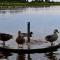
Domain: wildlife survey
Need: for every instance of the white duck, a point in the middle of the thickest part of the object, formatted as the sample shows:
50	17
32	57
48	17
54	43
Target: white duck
53	37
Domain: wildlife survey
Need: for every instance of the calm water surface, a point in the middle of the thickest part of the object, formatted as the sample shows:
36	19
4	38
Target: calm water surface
43	21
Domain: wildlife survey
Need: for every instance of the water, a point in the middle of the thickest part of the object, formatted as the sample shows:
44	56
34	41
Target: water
43	21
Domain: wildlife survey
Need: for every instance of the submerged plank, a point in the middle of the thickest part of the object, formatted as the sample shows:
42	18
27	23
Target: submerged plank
31	51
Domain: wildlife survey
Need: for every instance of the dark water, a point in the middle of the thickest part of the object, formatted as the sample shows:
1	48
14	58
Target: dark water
43	22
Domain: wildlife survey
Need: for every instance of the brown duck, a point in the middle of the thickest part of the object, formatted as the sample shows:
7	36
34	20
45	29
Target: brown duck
53	37
20	39
5	37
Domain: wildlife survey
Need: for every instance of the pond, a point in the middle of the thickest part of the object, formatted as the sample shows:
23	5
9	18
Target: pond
43	21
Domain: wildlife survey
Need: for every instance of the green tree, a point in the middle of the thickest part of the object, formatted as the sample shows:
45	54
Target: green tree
47	0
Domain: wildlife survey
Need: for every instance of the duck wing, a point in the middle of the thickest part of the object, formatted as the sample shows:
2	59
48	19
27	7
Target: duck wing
49	38
5	37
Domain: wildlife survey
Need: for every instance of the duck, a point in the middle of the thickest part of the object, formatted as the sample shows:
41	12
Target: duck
53	37
20	39
5	37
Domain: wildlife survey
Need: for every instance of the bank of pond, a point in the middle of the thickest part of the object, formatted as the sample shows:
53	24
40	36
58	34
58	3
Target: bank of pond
11	5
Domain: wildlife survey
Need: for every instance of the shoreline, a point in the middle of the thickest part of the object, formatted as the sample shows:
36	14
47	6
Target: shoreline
29	4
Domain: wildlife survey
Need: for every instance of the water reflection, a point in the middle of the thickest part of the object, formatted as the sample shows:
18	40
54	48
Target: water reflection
51	56
5	55
17	10
41	10
20	57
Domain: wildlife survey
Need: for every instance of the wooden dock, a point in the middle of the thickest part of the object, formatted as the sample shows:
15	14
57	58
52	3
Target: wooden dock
31	51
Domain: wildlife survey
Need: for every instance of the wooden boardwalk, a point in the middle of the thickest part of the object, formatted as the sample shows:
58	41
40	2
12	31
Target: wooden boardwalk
31	51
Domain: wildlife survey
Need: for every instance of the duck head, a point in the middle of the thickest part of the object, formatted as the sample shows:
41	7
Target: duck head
19	33
56	31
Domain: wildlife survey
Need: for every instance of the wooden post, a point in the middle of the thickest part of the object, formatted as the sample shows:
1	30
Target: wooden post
28	32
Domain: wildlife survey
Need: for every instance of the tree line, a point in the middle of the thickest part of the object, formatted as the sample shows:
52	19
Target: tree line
24	0
13	0
41	0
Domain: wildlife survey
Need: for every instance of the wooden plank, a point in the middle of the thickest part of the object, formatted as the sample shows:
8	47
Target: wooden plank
31	51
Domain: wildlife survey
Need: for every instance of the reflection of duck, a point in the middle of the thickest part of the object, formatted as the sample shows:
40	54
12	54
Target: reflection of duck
51	56
5	37
52	38
5	55
20	39
21	57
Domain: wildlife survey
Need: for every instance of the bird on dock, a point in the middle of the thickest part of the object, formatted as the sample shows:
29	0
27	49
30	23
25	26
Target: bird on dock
5	37
20	39
53	37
